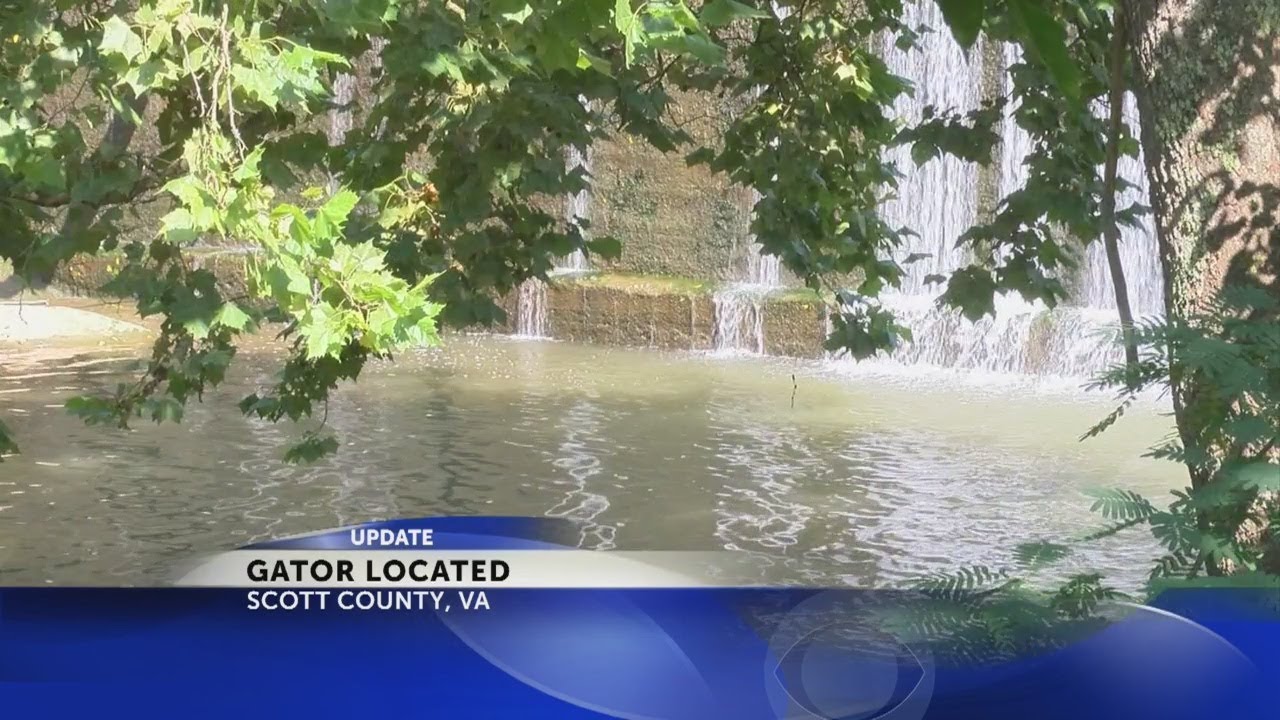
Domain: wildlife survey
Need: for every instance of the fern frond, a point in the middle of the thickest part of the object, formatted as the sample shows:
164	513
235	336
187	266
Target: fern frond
1110	530
1246	298
1177	532
1173	565
1039	553
1111	419
961	585
1079	597
1116	504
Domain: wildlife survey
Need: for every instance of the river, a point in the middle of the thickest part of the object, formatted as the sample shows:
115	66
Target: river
832	479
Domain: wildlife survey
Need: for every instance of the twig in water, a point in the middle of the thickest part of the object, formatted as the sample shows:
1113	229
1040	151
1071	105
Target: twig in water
794	385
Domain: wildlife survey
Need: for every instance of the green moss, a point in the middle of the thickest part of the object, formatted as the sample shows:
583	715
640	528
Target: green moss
1224	153
645	284
799	294
633	195
726	218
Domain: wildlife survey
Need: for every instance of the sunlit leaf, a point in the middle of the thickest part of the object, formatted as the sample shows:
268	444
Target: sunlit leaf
120	39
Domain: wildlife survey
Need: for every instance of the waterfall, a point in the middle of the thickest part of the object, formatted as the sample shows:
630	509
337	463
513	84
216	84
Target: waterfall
739	319
940	201
1139	251
739	307
577	206
762	271
1015	143
531	309
531	297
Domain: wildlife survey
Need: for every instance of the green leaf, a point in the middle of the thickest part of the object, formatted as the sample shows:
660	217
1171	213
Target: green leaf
964	17
158	35
311	448
702	48
198	327
230	315
595	62
163	409
628	24
971	290
1123	505
262	85
298	282
606	247
249	169
178	227
333	214
93	410
150	74
44	172
120	39
923	152
722	12
1047	39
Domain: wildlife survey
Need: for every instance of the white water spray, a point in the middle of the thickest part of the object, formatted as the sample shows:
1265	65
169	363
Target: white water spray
740	306
939	201
531	298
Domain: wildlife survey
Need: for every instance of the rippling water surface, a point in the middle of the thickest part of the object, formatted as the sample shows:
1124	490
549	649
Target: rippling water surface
863	480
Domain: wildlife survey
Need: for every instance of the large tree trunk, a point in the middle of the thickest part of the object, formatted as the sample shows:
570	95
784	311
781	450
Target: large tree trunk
1207	84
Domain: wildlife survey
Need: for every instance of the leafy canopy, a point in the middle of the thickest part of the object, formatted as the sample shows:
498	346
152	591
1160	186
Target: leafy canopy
209	117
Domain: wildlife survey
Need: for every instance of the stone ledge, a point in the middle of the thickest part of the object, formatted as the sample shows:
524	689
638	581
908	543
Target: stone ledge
87	274
669	313
656	311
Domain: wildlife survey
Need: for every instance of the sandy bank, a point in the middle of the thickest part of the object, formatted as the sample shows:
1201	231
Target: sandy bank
37	320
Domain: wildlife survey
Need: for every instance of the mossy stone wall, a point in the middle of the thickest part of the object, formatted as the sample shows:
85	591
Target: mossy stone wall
672	219
667	313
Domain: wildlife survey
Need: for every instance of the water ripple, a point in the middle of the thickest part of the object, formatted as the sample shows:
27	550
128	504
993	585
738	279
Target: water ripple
855	482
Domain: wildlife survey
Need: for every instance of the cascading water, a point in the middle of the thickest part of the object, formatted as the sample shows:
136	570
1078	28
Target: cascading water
939	201
1139	251
577	205
739	325
762	270
531	298
739	307
1015	143
531	309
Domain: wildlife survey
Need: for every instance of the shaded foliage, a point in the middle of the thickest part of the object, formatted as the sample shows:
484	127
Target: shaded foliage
434	202
1230	353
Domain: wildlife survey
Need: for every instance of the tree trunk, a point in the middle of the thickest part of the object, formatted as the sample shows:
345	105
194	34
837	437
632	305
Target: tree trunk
1207	85
1110	230
1208	90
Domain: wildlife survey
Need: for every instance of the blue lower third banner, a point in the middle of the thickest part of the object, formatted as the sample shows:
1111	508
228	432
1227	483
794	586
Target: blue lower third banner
411	631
